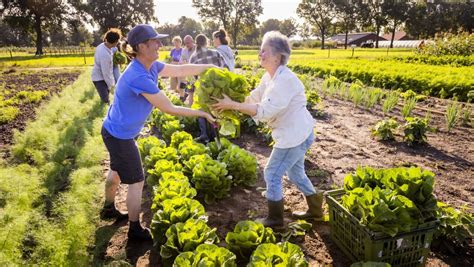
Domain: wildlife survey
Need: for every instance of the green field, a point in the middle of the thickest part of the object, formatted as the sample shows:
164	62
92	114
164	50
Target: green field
27	59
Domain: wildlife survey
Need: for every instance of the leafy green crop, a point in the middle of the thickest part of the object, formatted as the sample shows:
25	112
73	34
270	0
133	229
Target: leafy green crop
383	129
173	211
157	153
210	179
172	185
193	161
160	167
241	165
119	58
170	127
189	148
278	255
213	84
206	255
179	137
382	210
455	225
182	237
247	236
147	143
8	114
390	200
214	150
415	130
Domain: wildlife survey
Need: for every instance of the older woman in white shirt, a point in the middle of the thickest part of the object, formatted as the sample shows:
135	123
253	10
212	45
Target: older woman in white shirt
280	101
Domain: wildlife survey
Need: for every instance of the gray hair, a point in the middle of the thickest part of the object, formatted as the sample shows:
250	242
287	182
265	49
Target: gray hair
279	44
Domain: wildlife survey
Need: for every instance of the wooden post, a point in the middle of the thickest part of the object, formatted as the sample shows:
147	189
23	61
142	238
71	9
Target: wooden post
84	53
11	56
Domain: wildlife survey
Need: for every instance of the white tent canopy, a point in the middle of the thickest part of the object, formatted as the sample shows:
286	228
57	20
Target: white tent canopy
401	44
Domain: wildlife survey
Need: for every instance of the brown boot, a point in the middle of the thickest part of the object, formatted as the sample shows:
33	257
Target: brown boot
315	208
275	214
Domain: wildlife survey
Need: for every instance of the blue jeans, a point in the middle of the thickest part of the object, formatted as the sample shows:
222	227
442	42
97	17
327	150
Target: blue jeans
291	161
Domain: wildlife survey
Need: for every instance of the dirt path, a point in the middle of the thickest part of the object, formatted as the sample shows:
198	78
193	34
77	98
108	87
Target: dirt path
343	142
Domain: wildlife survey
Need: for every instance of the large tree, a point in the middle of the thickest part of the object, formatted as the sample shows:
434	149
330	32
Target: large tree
233	15
318	13
425	19
371	13
122	14
270	25
34	15
188	26
14	36
288	27
346	15
396	13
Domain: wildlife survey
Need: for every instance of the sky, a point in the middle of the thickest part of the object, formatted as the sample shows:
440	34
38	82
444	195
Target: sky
169	11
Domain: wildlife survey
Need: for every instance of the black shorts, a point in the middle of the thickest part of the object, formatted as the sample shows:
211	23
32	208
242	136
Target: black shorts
124	158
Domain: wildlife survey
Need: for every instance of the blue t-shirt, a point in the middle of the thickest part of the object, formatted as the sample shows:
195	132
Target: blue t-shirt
175	54
129	110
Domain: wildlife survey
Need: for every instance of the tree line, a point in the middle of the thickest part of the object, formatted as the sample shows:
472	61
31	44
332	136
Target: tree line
63	22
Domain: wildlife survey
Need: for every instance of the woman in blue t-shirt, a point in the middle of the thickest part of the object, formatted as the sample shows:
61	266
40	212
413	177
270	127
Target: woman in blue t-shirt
136	95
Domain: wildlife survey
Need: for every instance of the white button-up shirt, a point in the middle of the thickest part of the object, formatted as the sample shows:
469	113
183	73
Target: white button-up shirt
281	104
103	65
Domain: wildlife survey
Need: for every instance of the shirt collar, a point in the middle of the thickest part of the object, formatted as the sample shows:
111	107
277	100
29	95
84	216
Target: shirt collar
279	71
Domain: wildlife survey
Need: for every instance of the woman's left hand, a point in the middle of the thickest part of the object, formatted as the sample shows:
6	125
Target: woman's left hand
224	103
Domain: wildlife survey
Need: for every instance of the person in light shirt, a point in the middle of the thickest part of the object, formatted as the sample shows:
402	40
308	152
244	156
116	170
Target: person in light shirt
102	73
280	101
221	43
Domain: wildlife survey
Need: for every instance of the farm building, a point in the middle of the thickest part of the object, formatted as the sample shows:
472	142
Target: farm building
399	36
356	38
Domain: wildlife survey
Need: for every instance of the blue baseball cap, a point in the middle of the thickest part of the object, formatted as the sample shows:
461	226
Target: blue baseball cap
142	33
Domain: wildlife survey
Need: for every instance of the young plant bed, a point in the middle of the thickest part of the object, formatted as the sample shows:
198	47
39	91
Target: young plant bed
24	91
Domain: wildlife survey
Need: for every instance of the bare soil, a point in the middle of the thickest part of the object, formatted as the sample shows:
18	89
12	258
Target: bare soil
13	81
343	142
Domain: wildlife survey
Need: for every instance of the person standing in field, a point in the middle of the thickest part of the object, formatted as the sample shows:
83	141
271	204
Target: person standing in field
187	83
136	95
280	101
221	43
102	73
175	55
203	55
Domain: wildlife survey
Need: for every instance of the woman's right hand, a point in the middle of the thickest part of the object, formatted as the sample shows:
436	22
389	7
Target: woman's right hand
208	117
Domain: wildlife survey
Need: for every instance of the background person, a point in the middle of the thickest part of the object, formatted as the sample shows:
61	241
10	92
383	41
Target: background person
203	55
221	43
136	94
175	55
102	72
280	101
187	83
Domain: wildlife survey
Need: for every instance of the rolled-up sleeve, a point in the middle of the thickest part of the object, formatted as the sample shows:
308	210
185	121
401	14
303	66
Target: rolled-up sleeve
276	100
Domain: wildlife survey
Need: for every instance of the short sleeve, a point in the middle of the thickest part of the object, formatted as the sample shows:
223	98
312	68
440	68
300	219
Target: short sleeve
144	84
158	66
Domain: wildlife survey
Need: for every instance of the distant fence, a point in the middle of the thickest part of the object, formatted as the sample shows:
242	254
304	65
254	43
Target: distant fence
47	51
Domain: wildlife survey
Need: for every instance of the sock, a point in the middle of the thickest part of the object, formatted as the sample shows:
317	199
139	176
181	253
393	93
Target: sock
135	225
109	205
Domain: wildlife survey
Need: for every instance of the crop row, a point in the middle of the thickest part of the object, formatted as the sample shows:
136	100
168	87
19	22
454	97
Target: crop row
51	191
439	81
